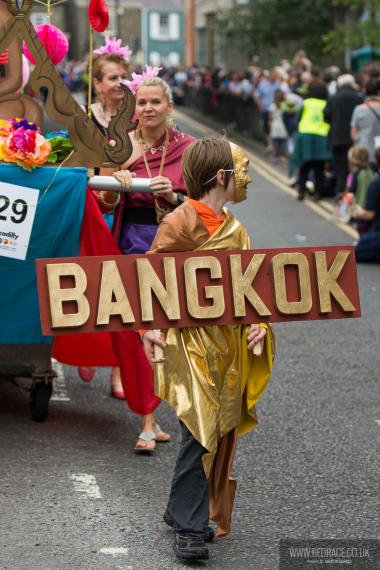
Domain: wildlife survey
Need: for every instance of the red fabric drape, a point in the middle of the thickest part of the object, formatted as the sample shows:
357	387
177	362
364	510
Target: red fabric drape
122	349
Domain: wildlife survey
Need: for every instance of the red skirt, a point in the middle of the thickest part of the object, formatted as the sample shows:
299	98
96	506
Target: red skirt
121	349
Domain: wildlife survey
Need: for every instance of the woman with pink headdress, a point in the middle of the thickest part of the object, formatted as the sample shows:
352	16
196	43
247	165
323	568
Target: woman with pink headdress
157	153
110	68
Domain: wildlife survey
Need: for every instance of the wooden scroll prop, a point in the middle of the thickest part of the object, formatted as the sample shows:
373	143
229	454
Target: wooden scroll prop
112	293
91	148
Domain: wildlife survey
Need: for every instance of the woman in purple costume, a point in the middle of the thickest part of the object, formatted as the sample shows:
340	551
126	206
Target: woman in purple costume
157	153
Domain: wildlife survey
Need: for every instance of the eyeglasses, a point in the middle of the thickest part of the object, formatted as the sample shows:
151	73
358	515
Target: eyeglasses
232	170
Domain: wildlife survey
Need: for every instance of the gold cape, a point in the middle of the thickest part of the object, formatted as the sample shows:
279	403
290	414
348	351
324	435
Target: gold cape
210	378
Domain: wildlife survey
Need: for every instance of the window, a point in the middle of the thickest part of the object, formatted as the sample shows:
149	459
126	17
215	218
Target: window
154	58
164	25
173	58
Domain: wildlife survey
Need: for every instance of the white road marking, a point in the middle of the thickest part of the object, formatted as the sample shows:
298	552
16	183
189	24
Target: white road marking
86	485
378	422
115	551
323	208
60	393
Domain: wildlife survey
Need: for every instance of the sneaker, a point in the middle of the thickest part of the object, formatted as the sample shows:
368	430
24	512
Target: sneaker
209	536
190	547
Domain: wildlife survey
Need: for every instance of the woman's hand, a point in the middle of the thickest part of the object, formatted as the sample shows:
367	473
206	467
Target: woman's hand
125	177
162	187
255	336
149	339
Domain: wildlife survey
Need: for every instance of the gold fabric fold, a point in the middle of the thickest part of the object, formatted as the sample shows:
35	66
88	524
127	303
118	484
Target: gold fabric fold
222	487
209	377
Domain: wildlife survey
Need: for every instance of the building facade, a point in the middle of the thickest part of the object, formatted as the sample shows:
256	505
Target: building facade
209	44
163	34
211	48
153	29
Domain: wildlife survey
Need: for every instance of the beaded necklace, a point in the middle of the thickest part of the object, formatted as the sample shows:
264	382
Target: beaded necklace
160	212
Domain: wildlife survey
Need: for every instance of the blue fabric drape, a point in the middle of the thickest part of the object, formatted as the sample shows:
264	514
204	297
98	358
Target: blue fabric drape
55	233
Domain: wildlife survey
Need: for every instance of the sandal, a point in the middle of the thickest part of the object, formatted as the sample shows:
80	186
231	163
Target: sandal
149	437
161	436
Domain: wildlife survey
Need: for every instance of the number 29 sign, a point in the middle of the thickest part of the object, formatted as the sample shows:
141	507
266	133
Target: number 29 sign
17	210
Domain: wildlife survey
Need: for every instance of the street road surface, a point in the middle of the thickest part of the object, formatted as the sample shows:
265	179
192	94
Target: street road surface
74	496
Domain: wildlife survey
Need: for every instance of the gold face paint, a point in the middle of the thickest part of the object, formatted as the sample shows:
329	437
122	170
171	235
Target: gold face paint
242	178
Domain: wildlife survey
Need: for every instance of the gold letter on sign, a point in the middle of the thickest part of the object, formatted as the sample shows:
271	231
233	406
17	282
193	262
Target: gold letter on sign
242	285
327	281
75	294
304	305
214	292
149	283
111	287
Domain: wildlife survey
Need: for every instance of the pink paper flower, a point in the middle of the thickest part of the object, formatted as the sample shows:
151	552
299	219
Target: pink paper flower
133	84
54	41
114	45
23	140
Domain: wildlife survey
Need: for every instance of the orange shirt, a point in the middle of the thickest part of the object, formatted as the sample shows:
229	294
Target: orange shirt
208	216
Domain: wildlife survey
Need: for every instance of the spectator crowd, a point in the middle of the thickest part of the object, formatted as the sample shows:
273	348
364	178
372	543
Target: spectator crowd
323	124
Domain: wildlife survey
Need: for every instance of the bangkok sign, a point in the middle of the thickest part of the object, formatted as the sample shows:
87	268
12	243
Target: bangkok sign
192	289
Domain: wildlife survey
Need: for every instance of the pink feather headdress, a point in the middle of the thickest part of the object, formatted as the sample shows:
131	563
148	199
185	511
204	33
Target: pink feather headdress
114	45
133	84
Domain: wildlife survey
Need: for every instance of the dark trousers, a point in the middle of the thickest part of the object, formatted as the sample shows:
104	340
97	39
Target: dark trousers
340	167
368	248
317	166
188	504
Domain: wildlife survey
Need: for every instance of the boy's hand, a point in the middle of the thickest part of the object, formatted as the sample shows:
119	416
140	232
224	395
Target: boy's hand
151	339
255	338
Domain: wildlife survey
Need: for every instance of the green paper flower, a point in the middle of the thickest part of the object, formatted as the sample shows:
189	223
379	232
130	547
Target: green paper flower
61	148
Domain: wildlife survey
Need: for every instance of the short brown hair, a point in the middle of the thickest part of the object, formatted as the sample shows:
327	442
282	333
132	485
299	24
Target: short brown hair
358	156
201	161
101	59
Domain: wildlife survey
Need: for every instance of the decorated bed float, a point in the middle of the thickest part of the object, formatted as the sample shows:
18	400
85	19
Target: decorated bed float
44	200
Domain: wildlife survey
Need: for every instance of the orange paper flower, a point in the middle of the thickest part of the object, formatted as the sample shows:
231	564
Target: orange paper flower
28	154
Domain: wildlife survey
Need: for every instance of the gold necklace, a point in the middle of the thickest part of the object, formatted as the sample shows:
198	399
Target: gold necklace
160	212
152	149
163	148
103	115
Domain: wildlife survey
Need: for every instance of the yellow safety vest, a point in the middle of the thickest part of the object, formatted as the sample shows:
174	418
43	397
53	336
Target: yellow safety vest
312	121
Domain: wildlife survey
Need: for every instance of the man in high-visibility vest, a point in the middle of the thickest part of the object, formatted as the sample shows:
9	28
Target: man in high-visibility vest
311	149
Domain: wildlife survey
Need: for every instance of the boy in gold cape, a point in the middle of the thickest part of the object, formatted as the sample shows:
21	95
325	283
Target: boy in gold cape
210	375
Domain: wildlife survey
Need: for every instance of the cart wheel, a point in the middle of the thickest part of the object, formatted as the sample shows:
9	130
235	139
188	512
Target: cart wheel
39	400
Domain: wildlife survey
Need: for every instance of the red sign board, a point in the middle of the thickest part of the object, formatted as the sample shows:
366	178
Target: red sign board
94	294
